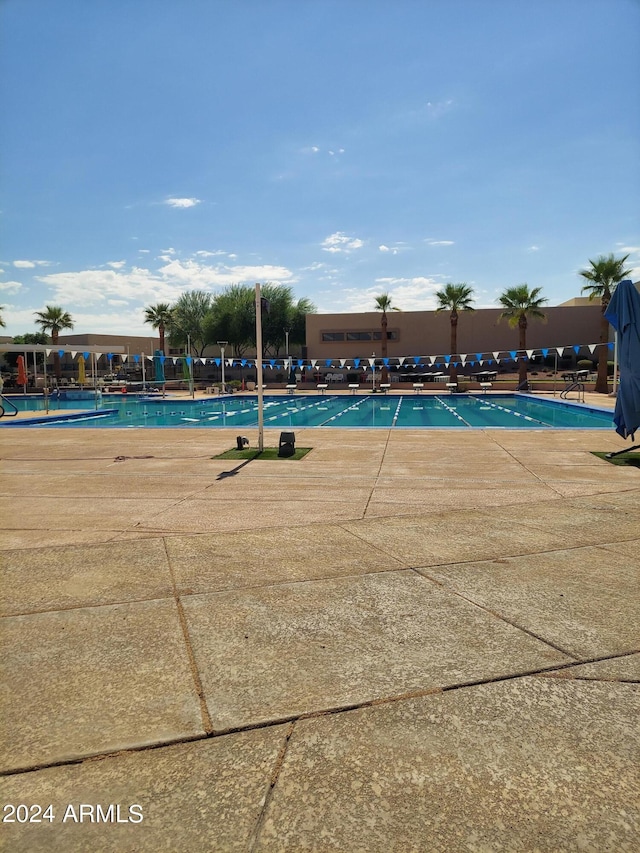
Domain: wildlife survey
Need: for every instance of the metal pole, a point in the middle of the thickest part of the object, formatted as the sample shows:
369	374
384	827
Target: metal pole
286	334
95	381
259	369
222	345
46	387
614	390
555	374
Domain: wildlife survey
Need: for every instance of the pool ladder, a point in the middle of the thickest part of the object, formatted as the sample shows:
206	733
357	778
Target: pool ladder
3	412
573	386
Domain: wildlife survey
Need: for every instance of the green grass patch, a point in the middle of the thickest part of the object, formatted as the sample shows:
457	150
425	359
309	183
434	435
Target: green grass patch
267	453
629	459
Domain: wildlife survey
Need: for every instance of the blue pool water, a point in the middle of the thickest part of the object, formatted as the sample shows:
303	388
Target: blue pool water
459	411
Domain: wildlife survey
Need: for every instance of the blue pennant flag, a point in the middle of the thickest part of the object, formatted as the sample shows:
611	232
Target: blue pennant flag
416	359
272	362
479	356
136	358
447	359
576	349
188	359
385	361
243	362
327	361
545	351
514	354
60	352
217	362
356	362
86	355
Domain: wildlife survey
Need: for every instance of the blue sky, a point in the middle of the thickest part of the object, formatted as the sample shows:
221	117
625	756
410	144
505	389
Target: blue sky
345	147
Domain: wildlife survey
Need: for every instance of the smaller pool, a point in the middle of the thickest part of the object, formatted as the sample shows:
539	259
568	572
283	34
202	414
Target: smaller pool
441	411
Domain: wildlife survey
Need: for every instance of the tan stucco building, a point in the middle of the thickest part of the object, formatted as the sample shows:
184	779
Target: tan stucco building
427	333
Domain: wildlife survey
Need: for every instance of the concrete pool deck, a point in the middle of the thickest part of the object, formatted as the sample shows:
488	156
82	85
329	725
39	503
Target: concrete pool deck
411	641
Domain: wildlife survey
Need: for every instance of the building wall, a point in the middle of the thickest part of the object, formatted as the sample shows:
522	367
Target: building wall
429	332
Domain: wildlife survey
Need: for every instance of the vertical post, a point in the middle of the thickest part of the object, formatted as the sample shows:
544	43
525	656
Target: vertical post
95	380
614	390
373	374
46	386
144	375
259	369
222	345
555	374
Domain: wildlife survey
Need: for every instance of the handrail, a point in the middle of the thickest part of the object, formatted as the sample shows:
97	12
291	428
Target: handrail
3	412
573	386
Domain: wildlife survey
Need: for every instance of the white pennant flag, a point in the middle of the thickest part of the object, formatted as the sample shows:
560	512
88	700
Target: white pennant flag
496	354
124	357
314	361
174	360
149	357
529	352
343	361
481	362
401	361
463	358
371	361
592	348
559	350
97	355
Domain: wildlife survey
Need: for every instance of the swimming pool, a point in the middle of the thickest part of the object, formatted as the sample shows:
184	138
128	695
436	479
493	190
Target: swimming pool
446	411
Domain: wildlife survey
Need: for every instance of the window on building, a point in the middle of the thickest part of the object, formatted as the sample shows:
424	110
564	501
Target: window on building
391	336
358	336
332	336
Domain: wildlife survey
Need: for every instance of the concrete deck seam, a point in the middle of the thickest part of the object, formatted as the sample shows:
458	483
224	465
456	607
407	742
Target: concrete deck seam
376	476
498	616
273	779
195	673
323	712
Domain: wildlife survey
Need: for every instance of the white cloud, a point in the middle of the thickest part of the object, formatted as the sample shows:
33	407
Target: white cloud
182	202
395	249
29	265
138	285
431	242
10	287
339	242
533	249
116	265
408	294
204	254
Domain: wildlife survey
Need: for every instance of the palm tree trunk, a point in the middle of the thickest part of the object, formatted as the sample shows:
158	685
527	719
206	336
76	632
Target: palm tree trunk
522	364
56	358
602	381
453	373
383	323
161	334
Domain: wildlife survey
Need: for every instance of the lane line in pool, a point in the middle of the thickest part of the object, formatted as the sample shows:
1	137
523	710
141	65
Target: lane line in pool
397	412
453	412
515	414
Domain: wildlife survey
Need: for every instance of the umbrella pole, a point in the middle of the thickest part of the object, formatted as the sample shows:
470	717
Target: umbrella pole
614	390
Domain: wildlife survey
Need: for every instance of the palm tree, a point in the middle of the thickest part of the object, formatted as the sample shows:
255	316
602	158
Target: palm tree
2	322
53	320
159	316
454	298
519	304
383	303
603	275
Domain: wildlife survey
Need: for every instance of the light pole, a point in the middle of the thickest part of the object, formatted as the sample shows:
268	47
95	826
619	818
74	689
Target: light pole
222	345
286	335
